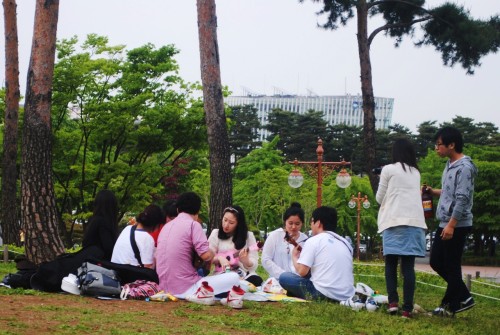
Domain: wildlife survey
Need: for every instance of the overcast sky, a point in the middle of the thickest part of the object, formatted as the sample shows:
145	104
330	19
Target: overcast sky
275	45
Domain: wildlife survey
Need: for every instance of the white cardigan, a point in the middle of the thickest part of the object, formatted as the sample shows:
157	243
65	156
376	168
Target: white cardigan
399	197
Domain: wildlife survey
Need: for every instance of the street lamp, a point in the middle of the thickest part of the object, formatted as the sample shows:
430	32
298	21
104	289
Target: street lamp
319	169
359	200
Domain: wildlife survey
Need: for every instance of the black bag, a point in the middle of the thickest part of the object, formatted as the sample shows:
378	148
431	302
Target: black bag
129	273
49	275
95	280
20	279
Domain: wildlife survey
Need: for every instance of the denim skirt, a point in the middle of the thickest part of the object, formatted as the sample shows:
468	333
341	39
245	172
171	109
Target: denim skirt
404	241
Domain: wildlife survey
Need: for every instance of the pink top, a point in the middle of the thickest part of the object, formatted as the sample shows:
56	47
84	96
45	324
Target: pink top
174	253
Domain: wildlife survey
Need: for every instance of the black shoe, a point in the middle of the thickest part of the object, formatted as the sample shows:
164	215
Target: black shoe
465	305
442	311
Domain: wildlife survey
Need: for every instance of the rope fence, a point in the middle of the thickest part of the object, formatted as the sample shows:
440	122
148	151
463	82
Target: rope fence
468	280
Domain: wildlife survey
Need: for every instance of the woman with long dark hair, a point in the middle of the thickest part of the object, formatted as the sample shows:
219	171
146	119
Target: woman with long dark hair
401	222
102	229
277	251
235	247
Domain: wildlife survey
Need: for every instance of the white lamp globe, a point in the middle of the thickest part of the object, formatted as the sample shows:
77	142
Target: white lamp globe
295	179
343	179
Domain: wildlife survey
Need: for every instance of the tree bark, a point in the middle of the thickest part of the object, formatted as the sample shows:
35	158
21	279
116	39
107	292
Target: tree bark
38	205
10	215
218	139
369	143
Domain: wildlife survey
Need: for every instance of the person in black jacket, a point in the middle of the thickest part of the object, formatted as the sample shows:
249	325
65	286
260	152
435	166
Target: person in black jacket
102	229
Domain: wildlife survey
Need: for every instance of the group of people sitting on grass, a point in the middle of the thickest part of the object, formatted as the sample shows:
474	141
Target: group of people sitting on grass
199	269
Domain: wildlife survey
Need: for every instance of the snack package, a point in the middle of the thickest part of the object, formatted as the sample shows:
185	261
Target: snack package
272	285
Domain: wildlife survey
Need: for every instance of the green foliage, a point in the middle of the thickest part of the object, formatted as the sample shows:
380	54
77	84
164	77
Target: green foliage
121	120
298	133
448	27
243	130
459	38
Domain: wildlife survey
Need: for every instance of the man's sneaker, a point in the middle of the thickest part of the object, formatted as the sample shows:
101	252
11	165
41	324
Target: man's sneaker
442	311
465	305
234	298
393	308
371	305
204	295
406	315
353	302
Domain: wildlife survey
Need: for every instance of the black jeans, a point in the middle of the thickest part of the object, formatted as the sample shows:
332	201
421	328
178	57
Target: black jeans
446	260
391	279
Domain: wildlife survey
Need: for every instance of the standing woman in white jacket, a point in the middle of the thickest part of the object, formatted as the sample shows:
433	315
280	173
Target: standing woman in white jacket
401	222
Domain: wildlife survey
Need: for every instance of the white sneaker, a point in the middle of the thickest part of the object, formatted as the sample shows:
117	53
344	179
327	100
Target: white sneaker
70	284
353	302
234	298
371	305
364	289
203	296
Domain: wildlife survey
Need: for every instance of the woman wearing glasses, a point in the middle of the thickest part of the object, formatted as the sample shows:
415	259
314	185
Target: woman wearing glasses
235	248
277	251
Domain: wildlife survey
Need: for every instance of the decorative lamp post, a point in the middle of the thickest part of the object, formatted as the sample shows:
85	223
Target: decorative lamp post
359	200
319	169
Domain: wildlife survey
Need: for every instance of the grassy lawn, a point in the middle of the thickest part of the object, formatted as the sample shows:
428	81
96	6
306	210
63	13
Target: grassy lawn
41	313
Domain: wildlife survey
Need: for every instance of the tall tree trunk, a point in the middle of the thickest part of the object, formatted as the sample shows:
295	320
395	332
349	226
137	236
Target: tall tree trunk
218	139
38	205
10	215
369	144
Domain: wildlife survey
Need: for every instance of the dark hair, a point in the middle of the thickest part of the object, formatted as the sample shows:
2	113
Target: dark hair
403	152
450	135
294	209
170	208
151	217
106	206
189	202
241	231
327	216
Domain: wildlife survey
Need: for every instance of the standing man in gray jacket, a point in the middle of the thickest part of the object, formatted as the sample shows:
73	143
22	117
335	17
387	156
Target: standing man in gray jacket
455	217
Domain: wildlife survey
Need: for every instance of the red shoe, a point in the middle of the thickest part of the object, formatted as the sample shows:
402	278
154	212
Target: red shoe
234	298
204	295
393	308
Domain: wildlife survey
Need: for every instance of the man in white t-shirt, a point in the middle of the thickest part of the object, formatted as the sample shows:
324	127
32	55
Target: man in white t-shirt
324	265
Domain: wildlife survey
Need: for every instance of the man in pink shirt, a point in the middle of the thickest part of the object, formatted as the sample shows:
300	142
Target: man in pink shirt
174	255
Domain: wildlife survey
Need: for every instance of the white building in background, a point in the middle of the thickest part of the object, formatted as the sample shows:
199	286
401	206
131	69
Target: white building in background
337	109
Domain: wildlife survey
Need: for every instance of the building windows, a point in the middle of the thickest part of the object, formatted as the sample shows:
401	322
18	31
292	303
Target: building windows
344	109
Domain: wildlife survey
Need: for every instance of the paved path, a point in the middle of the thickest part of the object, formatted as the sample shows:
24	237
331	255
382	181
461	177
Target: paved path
489	272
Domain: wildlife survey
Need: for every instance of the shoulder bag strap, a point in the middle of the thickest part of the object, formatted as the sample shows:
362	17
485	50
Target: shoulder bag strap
137	254
335	237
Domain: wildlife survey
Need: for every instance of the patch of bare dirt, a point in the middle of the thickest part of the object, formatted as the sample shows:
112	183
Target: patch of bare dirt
64	313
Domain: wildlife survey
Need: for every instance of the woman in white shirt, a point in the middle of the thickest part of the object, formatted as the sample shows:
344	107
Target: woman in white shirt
277	251
235	247
401	222
147	221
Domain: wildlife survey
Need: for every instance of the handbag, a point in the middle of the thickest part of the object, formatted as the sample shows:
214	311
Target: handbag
95	280
139	290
